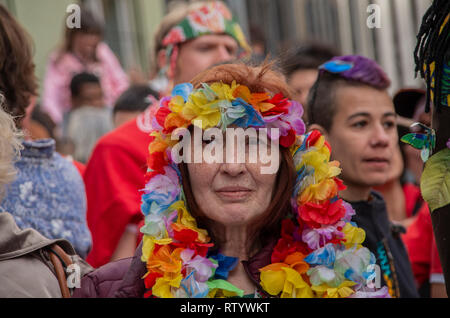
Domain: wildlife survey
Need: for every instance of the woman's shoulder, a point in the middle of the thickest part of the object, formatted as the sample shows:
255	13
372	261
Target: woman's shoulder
104	281
63	61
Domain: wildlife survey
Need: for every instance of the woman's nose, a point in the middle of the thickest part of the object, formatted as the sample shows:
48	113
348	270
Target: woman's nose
380	137
233	169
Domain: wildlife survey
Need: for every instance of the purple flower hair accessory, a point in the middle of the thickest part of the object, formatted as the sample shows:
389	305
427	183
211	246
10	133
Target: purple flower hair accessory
357	68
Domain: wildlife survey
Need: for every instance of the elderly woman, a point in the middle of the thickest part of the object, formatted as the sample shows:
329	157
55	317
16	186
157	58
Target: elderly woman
223	225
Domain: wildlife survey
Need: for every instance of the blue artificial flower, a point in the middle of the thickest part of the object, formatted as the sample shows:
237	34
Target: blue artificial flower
323	256
226	264
183	90
336	66
250	117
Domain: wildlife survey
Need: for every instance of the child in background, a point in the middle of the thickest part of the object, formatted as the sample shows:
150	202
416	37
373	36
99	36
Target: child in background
132	102
89	119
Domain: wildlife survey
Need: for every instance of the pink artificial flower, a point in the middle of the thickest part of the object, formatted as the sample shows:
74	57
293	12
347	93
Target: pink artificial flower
201	266
319	237
294	117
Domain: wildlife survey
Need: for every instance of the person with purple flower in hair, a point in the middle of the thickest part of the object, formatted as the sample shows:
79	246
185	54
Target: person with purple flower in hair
350	105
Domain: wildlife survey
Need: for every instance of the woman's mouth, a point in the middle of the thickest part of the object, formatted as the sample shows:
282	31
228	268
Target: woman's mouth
234	193
377	162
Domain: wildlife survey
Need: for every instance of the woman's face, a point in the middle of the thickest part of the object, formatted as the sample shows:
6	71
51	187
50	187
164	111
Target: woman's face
231	194
84	45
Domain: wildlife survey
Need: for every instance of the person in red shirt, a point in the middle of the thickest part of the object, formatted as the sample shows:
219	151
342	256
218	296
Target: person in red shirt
115	172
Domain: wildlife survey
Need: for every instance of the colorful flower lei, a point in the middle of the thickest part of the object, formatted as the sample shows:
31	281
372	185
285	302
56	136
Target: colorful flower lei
319	253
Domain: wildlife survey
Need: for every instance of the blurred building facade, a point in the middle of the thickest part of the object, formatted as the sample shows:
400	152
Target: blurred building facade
346	25
130	25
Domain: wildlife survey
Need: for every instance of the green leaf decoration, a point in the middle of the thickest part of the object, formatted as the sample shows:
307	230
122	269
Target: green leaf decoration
435	181
224	285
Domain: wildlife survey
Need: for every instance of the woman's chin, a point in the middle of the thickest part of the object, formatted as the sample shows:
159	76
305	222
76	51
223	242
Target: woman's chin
236	214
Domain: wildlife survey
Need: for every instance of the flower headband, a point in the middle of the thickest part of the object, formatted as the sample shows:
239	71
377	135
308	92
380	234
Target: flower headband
319	253
211	18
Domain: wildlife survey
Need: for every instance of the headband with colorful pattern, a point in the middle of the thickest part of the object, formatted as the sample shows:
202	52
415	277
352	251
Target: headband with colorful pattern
319	253
211	18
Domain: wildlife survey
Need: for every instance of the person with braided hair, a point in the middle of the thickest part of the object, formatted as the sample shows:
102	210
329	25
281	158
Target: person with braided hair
432	57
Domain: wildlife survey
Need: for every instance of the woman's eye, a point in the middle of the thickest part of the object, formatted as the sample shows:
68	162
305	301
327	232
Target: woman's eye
389	124
359	124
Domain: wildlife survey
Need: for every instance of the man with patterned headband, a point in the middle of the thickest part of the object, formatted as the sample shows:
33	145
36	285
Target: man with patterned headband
189	40
350	105
433	62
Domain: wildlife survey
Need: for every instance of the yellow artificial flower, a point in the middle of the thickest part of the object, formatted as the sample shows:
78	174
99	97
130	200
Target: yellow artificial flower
186	220
316	193
176	104
280	278
342	291
353	235
319	162
224	91
148	245
199	108
163	285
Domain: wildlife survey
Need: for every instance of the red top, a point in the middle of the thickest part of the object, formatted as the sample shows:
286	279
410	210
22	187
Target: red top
413	197
419	239
80	167
114	175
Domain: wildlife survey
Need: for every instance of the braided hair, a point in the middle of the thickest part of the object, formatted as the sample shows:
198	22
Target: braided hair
433	46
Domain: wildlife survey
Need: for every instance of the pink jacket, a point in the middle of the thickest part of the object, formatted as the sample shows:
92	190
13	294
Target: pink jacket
56	94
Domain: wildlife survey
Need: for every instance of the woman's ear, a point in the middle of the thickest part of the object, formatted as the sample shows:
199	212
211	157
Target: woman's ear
319	128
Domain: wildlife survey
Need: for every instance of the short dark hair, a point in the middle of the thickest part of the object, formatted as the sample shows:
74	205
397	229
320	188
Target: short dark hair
135	98
79	80
306	57
43	119
321	103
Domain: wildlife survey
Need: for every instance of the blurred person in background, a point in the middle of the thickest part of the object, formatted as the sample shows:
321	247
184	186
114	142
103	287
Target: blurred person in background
190	39
82	50
258	44
41	125
26	266
402	191
135	100
300	66
48	194
89	118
